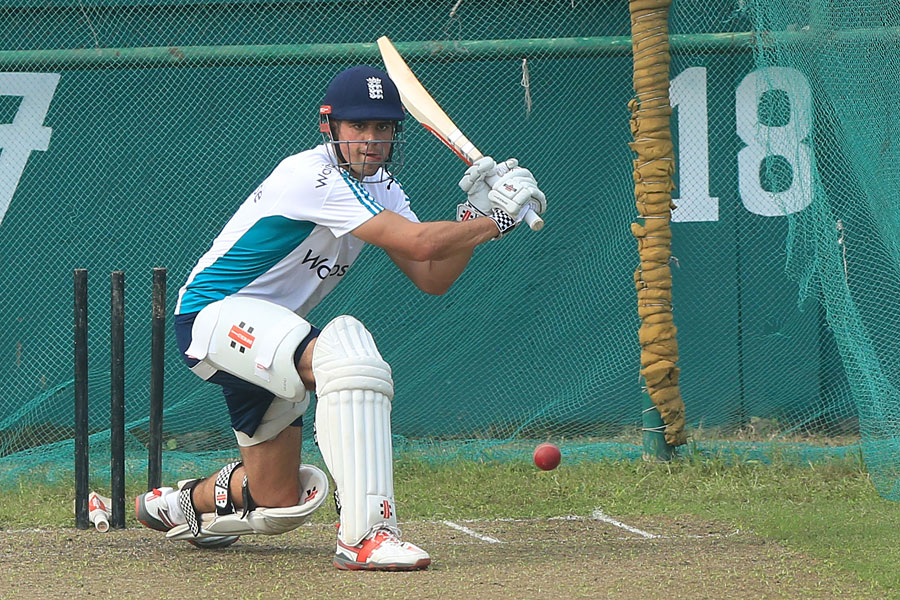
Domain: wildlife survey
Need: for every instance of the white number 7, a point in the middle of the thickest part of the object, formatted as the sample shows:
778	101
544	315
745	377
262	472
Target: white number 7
27	132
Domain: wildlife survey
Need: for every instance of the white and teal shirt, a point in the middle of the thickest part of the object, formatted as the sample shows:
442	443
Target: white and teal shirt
290	241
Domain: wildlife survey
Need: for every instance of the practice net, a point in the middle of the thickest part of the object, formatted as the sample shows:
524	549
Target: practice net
132	130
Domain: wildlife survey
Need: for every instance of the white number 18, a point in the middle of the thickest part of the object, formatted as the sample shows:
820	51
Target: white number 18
788	140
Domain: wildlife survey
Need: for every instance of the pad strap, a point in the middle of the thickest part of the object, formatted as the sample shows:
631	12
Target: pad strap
337	503
224	503
249	503
186	501
223	500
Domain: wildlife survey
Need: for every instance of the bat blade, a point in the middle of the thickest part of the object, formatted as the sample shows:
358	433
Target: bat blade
425	109
422	105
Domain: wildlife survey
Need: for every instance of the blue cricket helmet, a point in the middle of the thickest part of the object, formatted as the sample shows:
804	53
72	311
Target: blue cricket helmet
362	93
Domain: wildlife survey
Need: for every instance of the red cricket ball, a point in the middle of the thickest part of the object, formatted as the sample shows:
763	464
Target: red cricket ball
547	456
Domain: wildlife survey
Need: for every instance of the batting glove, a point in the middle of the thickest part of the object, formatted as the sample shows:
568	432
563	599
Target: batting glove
476	183
512	195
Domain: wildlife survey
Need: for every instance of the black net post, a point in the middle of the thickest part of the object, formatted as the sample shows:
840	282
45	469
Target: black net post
157	372
117	399
82	520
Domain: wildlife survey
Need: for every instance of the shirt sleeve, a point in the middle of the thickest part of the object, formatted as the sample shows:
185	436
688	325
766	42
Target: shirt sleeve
398	201
326	196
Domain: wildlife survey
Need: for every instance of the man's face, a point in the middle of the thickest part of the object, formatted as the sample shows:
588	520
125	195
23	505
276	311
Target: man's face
366	145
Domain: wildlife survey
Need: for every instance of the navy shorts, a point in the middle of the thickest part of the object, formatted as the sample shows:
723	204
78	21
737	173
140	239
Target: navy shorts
247	403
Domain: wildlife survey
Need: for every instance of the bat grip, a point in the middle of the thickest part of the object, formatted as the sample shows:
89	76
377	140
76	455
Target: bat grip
533	219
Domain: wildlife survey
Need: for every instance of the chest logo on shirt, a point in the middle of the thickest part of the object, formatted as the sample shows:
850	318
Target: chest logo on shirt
240	337
322	268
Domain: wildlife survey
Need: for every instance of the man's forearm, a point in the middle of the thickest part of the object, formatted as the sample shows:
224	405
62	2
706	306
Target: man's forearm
450	239
443	273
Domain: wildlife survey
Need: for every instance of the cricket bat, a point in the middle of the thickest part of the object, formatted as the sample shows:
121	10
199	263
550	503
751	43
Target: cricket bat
428	112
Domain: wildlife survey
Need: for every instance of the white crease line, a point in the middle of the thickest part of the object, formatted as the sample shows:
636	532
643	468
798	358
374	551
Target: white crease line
602	517
598	515
466	530
701	536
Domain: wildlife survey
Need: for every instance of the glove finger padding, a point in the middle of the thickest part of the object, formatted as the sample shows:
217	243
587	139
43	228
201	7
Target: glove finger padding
516	172
476	173
512	195
505	167
473	183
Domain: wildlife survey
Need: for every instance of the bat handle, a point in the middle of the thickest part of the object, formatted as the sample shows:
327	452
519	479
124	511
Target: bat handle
534	221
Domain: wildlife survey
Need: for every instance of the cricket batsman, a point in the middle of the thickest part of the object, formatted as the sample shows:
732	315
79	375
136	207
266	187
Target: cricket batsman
240	322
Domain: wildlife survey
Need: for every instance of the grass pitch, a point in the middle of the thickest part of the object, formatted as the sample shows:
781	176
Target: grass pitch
688	529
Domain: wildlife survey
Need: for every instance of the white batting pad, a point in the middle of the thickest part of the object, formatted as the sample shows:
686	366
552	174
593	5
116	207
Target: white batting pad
252	339
353	425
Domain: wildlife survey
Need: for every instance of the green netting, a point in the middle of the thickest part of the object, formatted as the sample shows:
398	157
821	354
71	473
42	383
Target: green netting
134	129
842	248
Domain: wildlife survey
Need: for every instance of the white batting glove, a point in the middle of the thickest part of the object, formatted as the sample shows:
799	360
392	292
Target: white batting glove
511	197
476	173
473	184
501	169
476	183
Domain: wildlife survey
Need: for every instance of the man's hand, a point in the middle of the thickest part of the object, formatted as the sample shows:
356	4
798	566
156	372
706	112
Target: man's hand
476	183
511	196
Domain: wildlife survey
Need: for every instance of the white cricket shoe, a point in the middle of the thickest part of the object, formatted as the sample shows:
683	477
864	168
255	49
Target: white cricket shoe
152	510
381	550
